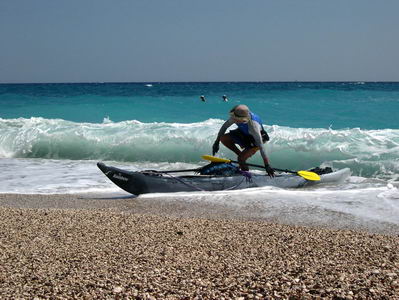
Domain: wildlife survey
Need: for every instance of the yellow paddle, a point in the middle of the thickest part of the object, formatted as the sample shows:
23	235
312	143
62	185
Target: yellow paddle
304	174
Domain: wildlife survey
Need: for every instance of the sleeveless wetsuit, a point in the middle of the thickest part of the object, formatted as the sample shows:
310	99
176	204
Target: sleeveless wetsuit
247	135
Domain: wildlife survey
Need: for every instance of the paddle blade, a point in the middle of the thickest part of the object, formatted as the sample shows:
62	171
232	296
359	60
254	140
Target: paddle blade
215	159
312	176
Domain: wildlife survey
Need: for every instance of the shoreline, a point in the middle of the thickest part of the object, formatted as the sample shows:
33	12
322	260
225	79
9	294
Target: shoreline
179	208
73	247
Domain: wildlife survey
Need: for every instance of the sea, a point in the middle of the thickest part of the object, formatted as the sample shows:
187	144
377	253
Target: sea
52	136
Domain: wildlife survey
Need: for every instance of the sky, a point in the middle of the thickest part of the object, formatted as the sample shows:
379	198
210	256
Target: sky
207	40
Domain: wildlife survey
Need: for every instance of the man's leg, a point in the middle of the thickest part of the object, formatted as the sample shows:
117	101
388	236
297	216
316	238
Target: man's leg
244	155
229	143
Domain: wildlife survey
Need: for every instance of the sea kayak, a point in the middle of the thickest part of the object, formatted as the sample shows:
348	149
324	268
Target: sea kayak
142	182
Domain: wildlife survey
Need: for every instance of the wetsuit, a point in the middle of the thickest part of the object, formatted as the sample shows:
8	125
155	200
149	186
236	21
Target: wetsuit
247	135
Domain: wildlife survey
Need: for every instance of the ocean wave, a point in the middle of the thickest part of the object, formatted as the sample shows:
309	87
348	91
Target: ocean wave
369	153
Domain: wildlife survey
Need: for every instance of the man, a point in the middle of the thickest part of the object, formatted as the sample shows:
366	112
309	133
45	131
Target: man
249	135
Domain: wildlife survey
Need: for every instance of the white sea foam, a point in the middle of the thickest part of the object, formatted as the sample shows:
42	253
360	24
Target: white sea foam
366	204
368	153
357	200
50	176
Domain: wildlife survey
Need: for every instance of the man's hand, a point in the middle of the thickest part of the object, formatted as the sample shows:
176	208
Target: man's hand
269	170
215	147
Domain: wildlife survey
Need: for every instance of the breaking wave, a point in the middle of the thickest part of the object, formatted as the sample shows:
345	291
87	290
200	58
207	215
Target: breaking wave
369	153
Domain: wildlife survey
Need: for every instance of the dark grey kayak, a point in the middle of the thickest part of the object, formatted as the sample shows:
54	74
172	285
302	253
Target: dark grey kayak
157	182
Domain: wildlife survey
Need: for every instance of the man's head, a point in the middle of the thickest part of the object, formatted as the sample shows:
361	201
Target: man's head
240	113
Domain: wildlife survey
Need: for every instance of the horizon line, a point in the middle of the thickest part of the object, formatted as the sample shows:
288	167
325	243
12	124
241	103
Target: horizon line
160	82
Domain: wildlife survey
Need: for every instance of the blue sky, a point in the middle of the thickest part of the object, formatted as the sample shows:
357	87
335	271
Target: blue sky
218	40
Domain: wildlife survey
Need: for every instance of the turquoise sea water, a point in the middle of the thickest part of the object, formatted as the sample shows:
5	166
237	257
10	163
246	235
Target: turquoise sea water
51	135
299	105
348	124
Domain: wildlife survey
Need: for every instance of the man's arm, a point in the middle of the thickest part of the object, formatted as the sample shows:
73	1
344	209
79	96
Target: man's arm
223	129
215	146
254	129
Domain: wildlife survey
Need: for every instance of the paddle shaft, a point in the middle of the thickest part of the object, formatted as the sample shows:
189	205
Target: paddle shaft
263	167
308	175
198	169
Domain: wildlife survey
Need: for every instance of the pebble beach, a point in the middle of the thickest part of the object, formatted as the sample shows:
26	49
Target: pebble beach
103	248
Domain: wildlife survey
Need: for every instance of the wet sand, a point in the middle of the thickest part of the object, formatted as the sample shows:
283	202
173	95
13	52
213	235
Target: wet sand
73	246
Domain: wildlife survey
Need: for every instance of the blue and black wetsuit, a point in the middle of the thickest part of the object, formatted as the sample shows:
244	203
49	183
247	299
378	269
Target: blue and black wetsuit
247	135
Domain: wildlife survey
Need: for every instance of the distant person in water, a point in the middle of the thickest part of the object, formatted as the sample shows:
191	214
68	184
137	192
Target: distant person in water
203	98
225	98
250	136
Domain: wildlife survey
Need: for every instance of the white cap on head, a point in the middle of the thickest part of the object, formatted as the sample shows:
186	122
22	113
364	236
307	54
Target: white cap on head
240	113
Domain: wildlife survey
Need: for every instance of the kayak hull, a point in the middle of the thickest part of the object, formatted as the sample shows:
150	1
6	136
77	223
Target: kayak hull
143	182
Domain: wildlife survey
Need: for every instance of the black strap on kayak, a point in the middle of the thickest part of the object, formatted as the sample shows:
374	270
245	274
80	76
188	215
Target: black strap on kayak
173	171
185	183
